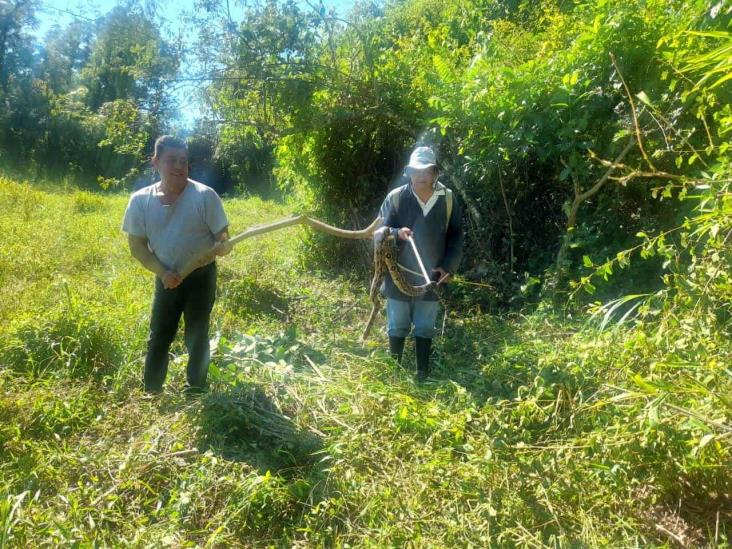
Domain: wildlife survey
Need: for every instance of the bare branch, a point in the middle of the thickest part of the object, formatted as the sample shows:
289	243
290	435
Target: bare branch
611	167
633	173
512	259
580	197
633	111
575	183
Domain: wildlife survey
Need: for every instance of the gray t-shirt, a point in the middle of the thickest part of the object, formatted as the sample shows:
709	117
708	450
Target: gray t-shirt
180	231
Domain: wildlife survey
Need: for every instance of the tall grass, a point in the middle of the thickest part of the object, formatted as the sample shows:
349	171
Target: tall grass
535	432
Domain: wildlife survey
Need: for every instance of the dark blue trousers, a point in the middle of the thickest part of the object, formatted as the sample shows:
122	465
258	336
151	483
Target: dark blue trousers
193	299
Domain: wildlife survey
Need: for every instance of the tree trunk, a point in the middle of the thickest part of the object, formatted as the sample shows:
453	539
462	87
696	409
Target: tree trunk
512	257
579	198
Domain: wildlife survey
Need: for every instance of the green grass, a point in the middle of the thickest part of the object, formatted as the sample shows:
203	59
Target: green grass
535	432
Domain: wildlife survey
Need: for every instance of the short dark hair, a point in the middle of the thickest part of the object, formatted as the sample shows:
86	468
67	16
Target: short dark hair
165	142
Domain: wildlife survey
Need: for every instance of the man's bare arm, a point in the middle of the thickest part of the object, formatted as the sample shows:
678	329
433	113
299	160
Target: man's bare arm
222	235
140	251
221	247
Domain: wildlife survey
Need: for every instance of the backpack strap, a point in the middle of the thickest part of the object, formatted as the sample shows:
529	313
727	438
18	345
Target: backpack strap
448	209
394	197
448	203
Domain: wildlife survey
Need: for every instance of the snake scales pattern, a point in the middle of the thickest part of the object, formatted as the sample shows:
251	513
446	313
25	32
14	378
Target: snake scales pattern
385	258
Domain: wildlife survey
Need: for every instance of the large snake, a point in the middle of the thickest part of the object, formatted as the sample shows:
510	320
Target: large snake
385	258
316	224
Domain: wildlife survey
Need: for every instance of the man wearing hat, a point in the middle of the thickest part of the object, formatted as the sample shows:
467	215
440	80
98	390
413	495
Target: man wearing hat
427	211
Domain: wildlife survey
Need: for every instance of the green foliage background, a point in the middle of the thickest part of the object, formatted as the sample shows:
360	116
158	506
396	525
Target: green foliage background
515	97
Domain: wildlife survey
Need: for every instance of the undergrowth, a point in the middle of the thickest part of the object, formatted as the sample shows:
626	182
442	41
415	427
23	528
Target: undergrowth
535	431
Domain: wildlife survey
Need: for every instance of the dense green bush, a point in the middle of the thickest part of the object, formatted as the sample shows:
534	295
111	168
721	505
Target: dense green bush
516	97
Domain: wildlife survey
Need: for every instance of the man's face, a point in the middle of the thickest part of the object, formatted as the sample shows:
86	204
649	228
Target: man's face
423	177
173	166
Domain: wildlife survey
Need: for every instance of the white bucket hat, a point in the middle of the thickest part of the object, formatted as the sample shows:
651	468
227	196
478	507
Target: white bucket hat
421	158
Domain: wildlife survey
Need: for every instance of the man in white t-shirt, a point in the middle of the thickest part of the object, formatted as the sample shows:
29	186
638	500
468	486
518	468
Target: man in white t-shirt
168	224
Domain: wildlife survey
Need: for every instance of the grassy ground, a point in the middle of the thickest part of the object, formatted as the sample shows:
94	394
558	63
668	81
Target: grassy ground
535	432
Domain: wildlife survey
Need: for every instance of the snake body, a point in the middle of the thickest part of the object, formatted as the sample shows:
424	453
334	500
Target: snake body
385	258
208	255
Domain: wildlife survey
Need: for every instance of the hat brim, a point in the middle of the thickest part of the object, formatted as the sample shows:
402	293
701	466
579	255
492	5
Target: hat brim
414	167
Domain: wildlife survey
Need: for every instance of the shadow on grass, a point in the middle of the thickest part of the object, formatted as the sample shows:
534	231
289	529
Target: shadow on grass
247	297
466	354
243	423
492	358
284	471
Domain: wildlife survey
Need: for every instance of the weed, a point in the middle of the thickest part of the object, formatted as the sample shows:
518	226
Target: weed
537	430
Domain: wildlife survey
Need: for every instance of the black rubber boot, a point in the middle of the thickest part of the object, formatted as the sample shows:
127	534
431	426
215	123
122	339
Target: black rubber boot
422	347
396	348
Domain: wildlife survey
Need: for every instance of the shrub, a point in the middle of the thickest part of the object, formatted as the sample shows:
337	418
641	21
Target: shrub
68	342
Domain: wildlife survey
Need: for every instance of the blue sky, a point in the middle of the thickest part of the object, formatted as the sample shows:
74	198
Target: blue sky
62	12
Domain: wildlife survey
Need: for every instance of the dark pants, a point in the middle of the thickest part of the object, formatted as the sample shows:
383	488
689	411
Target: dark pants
194	299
